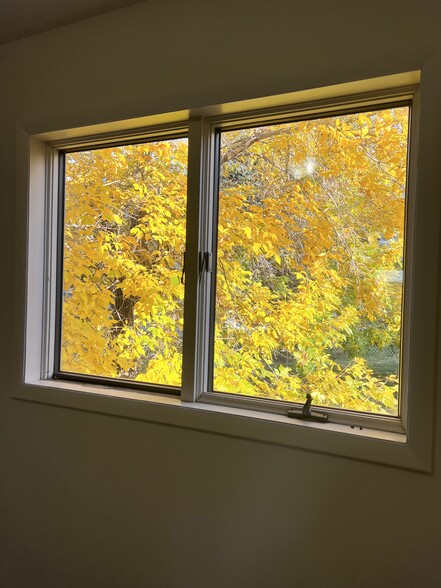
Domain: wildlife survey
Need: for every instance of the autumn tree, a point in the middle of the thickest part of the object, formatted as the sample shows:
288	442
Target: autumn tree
124	243
311	218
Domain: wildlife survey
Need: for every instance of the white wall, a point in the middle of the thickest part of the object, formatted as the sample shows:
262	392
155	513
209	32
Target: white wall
90	500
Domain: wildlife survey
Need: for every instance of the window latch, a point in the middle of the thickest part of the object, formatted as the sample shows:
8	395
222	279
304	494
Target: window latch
183	268
205	262
305	413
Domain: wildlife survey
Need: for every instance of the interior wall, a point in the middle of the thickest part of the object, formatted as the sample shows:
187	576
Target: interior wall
96	501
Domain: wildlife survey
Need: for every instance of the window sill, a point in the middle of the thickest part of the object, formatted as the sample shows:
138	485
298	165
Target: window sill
370	445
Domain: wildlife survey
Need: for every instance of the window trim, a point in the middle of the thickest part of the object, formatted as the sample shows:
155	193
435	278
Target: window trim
412	450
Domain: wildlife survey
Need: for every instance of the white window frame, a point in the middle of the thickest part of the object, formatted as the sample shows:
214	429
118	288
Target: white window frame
405	442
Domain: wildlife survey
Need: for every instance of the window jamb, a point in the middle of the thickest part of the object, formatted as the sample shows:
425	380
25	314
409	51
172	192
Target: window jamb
51	218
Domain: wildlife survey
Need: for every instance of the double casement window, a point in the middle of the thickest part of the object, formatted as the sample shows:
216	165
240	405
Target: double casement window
228	268
245	260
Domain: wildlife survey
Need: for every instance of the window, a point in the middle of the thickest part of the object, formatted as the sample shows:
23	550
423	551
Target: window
123	239
305	267
310	260
235	263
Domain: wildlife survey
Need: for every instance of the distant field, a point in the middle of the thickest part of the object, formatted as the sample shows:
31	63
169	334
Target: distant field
383	362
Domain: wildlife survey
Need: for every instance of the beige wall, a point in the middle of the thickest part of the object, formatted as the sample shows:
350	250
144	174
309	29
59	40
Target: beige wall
89	500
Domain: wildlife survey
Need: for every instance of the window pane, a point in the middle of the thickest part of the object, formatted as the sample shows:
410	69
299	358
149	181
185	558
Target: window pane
310	260
124	236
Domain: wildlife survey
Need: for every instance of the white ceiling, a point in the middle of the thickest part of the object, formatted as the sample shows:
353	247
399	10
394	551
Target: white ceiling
22	18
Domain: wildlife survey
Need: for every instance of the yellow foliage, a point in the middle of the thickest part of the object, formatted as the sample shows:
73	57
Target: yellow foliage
324	197
310	248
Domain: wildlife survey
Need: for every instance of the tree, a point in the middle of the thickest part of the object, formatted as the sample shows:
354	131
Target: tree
124	244
311	220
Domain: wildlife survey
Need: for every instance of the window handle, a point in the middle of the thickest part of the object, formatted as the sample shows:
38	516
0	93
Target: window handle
305	413
183	268
205	262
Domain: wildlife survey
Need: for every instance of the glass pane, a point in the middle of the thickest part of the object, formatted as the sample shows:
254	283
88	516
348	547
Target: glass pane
310	260
124	237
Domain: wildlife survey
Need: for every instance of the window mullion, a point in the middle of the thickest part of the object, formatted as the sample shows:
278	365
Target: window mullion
192	300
